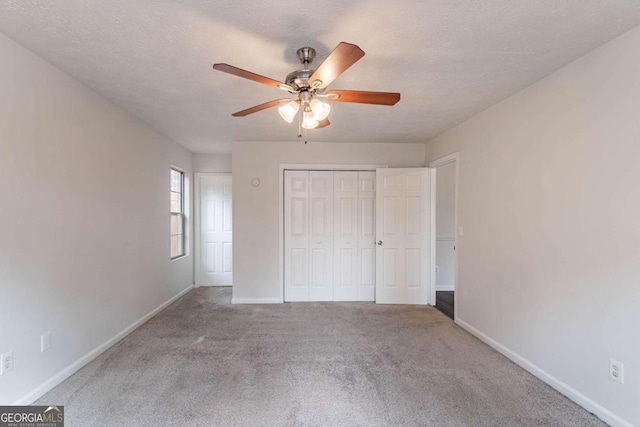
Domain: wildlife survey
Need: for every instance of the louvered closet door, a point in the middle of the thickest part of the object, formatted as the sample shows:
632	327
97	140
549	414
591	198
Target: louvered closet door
345	246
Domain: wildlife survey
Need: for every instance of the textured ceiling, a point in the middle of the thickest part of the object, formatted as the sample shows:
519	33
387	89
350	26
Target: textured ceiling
449	59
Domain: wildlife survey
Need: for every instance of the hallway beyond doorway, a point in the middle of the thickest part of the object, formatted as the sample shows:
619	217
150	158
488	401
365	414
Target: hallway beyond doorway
444	302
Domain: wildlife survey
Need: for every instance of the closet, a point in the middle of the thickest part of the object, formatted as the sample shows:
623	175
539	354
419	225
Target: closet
329	235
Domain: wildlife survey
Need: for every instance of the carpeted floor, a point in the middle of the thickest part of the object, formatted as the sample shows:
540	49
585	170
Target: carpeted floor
205	362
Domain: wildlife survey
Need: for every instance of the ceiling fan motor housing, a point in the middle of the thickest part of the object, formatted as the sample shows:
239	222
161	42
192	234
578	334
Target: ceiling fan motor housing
299	79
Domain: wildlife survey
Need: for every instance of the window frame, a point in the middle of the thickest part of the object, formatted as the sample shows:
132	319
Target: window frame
181	215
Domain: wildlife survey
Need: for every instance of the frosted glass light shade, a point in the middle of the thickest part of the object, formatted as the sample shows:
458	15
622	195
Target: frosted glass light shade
309	121
288	111
320	109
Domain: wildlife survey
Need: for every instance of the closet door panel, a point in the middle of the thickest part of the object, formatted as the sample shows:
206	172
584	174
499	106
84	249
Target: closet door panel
296	236
330	236
346	273
366	235
321	236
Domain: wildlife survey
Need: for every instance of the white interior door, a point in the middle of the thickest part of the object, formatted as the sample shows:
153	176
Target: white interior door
366	236
296	236
403	251
346	275
308	236
321	236
216	263
329	241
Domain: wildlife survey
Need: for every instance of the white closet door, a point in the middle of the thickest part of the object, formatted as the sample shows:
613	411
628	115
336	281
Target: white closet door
330	231
296	256
321	236
402	229
215	263
345	246
366	235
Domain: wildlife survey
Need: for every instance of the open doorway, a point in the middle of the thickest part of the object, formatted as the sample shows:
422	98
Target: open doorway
446	190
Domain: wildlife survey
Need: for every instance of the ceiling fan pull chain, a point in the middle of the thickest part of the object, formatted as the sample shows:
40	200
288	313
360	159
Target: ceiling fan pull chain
300	123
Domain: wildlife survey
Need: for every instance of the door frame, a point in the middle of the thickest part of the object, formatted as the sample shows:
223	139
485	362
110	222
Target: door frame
306	167
449	158
197	177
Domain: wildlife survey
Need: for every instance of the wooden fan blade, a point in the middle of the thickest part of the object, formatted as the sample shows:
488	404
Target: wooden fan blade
323	123
361	97
341	58
226	68
260	107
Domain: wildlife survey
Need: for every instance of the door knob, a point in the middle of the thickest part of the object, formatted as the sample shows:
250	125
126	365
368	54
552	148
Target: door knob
379	242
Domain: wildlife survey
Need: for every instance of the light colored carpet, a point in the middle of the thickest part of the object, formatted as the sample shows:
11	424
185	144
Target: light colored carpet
205	362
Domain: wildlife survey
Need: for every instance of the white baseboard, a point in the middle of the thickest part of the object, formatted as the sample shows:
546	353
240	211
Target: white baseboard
445	288
256	301
43	388
582	400
214	286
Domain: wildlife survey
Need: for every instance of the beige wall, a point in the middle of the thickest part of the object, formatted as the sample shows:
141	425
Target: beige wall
446	200
84	251
445	226
212	163
549	264
256	262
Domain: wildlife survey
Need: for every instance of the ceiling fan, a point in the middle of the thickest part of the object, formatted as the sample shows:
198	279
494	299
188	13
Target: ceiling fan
309	87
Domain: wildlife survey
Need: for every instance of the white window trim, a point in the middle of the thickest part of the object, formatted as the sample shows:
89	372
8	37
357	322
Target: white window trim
186	201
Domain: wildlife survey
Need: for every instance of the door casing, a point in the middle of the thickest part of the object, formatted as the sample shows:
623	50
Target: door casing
450	158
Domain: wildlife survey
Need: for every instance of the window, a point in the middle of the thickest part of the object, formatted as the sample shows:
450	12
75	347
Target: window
177	214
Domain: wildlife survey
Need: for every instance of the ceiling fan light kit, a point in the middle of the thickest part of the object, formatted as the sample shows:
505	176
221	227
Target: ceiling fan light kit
289	110
309	121
320	109
309	87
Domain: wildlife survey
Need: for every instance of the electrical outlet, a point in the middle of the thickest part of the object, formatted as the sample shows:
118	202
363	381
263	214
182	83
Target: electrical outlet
45	341
7	362
616	371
